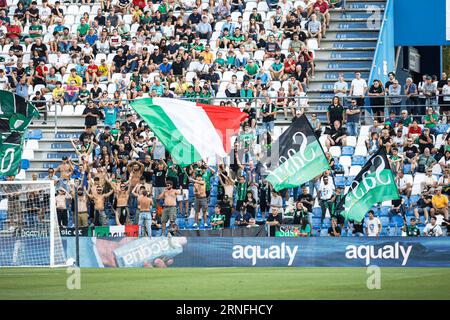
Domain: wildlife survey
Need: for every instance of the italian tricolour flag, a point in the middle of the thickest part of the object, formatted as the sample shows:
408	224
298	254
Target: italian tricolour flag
190	131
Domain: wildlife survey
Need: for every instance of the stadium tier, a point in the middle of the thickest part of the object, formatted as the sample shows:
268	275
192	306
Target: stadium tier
166	111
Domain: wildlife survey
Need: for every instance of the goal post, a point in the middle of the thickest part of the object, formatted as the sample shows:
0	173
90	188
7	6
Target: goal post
29	229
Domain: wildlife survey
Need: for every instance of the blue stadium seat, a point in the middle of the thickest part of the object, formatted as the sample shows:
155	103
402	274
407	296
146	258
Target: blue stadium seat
384	221
358	161
324	233
35	134
25	165
347	151
317	212
384	211
397	220
407	168
180	222
339	181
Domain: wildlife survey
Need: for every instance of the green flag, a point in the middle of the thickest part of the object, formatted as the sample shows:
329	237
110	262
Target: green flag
15	112
296	157
374	183
11	154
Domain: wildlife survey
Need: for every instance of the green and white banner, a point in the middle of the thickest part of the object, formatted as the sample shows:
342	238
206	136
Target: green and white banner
15	112
11	154
15	115
297	157
374	183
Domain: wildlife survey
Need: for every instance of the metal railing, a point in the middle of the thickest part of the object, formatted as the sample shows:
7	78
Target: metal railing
415	107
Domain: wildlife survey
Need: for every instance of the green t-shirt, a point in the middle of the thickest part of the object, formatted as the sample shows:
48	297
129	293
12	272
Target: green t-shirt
241	190
277	66
83	94
220	61
205	97
36	35
115	133
238	39
252	70
83	29
246	139
412	231
190	95
172	172
428	118
217	218
306	230
407	121
199	47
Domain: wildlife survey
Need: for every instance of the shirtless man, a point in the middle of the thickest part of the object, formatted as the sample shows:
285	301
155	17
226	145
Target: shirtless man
201	201
122	193
61	206
170	205
145	203
99	203
66	170
136	170
82	208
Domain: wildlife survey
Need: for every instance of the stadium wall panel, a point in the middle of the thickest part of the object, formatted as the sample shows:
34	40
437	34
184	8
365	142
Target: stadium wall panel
264	252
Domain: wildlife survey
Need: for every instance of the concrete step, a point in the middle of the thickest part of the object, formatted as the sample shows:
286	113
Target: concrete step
343	55
330	43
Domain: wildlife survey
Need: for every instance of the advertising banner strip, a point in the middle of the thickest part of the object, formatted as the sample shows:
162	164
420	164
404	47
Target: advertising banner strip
261	252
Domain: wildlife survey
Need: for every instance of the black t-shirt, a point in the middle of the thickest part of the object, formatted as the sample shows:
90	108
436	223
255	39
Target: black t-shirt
336	113
160	178
411	151
76	49
300	76
308	198
91	120
268	108
129	125
422	146
330	231
376	101
119	61
272	218
41	49
157	58
57	12
16	49
225	208
96	92
177	68
195	18
250	209
337	133
101	20
148	172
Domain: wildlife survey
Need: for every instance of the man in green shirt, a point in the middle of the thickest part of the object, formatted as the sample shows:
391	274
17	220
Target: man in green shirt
207	173
35	30
190	94
116	130
412	230
238	38
82	29
251	69
241	192
217	219
430	120
406	119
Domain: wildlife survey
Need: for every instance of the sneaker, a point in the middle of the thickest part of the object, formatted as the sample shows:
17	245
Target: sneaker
44	123
205	225
195	225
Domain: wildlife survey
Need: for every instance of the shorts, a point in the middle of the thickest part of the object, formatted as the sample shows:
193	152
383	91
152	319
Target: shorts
83	219
201	203
440	211
184	196
169	213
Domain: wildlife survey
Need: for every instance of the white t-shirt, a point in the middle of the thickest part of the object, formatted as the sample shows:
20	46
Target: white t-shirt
359	86
326	191
373	227
446	92
433	231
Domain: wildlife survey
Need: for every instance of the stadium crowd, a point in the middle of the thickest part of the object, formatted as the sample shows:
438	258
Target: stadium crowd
121	50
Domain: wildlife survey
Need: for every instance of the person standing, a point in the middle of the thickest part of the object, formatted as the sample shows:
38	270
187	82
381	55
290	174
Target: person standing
217	219
353	114
358	89
373	225
170	205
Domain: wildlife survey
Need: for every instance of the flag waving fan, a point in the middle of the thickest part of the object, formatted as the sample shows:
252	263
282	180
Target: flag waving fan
15	115
374	183
296	157
190	131
15	112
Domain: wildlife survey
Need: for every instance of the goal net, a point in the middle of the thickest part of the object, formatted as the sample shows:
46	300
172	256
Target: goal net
29	232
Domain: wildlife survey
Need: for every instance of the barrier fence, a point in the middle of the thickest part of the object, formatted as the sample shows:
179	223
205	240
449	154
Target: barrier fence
379	107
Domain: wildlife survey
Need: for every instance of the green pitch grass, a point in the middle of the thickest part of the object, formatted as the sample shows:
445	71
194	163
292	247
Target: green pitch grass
226	283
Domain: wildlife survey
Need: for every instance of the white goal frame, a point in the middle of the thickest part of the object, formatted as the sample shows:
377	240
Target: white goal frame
53	225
